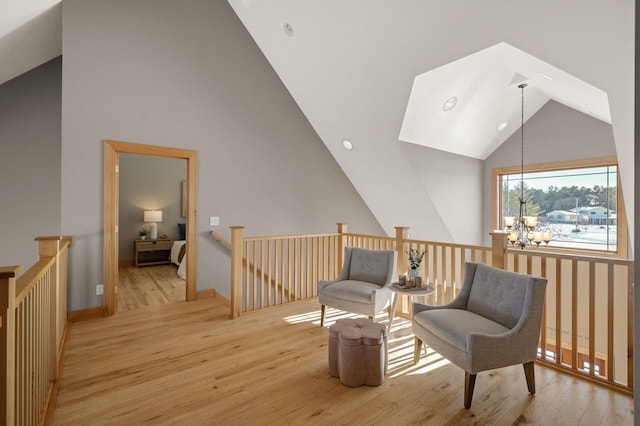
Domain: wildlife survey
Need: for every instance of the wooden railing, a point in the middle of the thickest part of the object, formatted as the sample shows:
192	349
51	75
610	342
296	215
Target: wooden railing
589	299
33	311
271	271
587	327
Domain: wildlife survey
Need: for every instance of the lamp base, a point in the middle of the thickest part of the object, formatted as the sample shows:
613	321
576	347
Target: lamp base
153	231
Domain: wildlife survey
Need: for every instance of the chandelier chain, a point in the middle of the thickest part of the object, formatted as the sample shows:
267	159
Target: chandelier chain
524	232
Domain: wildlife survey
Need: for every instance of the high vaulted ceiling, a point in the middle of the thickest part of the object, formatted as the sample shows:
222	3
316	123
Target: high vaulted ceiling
351	67
486	100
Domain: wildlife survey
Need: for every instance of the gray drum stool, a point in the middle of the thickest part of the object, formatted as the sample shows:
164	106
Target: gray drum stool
358	352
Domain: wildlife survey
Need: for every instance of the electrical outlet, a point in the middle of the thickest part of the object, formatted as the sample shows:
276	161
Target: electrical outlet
214	221
99	289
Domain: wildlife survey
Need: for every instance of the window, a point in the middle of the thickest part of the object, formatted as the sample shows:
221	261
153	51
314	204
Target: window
578	202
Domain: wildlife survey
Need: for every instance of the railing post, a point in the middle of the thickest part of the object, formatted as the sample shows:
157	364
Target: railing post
236	270
342	229
498	249
401	236
8	343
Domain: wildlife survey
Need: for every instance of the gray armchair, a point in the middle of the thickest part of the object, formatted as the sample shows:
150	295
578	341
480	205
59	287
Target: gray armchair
362	286
493	322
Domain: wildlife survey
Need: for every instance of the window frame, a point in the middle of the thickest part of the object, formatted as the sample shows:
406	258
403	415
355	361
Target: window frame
622	228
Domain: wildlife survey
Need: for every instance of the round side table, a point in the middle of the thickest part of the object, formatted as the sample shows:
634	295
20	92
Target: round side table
399	289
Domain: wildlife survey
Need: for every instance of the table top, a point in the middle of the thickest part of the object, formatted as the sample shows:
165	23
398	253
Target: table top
414	291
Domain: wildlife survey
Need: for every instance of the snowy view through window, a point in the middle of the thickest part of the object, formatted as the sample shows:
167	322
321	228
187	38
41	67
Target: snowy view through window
578	205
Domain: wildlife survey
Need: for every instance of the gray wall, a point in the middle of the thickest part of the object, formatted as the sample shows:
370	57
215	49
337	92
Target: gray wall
148	183
188	75
30	161
554	133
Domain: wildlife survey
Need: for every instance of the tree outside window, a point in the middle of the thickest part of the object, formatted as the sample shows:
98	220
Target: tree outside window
578	204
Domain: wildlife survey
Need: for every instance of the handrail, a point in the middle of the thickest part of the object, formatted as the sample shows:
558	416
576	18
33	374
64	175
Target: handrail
33	315
286	237
30	278
573	256
219	238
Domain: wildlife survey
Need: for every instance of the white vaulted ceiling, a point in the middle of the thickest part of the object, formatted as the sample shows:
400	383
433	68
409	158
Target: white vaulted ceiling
30	35
378	73
484	87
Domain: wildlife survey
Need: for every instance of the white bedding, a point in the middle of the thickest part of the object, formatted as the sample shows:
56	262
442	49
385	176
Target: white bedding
175	251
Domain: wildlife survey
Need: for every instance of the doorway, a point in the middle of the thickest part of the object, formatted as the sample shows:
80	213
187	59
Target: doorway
112	151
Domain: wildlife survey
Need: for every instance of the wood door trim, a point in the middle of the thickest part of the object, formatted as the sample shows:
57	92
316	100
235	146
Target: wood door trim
112	150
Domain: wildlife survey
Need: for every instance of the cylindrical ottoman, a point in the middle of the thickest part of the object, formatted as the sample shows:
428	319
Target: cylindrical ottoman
358	352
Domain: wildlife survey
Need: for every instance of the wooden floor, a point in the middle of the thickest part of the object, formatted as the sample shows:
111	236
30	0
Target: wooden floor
149	286
188	364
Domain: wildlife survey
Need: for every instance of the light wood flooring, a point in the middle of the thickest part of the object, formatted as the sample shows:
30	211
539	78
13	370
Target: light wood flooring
189	364
149	286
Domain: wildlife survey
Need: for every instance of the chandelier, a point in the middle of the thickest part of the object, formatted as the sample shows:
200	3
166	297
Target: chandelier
522	231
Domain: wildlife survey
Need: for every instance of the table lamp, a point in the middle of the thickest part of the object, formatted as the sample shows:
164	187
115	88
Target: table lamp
153	216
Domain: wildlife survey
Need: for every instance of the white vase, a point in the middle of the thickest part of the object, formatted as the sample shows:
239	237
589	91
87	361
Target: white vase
413	273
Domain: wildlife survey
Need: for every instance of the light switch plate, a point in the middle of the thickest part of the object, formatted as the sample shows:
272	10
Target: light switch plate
214	221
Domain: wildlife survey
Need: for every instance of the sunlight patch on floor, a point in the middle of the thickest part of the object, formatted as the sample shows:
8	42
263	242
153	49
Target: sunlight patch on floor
400	342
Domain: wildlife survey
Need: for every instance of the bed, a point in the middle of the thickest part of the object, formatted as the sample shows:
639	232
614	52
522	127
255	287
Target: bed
178	257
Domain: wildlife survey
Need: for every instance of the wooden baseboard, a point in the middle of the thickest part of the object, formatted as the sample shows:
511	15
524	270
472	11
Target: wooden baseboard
85	314
125	263
206	294
211	294
223	299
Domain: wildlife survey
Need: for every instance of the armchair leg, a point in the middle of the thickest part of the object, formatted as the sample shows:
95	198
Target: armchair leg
529	374
322	307
417	346
469	384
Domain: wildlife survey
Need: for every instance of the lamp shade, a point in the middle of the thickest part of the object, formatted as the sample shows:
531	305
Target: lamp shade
153	216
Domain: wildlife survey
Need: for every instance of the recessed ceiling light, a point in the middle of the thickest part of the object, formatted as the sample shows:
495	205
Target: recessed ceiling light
450	103
503	126
346	143
547	76
288	29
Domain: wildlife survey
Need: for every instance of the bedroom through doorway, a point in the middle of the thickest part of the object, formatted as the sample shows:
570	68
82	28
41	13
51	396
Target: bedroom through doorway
151	265
141	193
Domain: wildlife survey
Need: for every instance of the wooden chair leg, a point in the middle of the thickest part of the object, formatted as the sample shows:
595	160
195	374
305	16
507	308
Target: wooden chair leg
469	384
417	346
322	315
530	375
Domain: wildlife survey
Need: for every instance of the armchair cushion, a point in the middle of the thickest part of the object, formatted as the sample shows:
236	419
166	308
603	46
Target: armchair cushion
369	266
455	326
352	290
498	295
